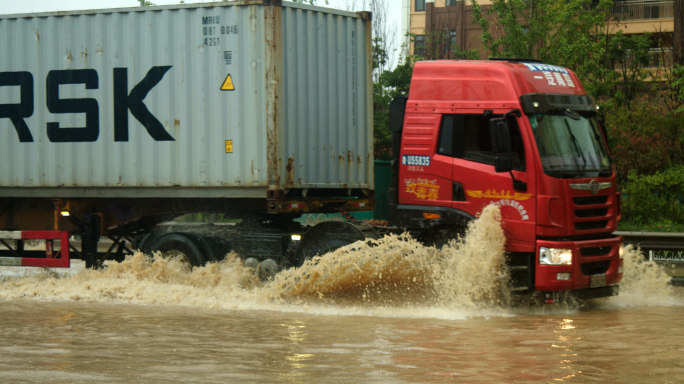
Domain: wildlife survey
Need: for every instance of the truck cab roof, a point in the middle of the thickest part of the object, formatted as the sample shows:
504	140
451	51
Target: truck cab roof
501	82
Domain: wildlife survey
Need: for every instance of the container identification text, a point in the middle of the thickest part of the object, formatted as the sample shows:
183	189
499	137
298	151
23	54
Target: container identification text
415	160
211	27
124	102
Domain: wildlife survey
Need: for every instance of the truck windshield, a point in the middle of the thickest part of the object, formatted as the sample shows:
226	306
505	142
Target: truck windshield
570	145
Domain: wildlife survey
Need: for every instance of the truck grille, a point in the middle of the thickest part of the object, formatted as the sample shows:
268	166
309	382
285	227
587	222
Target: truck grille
583	213
587	225
591	212
590	200
595	268
595	251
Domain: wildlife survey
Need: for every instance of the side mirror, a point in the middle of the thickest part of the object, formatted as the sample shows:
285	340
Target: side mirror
501	139
503	164
396	124
396	115
501	145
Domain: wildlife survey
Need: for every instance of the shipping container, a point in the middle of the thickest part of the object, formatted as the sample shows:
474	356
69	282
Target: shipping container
228	99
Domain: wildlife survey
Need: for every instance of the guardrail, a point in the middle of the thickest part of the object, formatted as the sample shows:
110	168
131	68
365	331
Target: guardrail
659	246
654	240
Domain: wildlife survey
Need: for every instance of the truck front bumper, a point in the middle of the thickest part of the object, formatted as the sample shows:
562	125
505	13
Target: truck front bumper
580	294
596	265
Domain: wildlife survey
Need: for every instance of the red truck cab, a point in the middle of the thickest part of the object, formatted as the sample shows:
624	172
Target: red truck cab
521	135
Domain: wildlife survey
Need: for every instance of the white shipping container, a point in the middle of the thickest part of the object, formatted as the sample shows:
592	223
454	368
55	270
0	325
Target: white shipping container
192	100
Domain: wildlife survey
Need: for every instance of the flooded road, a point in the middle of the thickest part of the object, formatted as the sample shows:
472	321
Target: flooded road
395	312
92	342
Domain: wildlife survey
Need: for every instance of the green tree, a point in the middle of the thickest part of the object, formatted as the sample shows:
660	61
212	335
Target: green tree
673	94
576	38
519	28
566	33
391	84
643	138
655	198
387	83
630	56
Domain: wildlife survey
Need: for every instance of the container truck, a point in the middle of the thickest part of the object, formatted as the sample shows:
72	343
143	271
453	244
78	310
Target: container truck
115	121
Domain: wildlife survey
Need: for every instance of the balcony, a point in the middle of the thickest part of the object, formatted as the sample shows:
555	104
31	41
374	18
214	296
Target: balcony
659	64
659	59
642	10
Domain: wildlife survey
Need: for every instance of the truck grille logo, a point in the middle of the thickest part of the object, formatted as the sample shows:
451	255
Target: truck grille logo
593	186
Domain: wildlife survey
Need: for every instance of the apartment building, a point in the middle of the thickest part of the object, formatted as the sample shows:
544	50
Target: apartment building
454	19
636	17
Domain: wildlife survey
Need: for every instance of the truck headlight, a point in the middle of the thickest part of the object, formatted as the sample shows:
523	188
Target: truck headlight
622	251
555	256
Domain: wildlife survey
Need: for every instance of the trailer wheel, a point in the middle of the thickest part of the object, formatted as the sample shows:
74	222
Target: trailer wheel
190	248
320	249
328	236
441	236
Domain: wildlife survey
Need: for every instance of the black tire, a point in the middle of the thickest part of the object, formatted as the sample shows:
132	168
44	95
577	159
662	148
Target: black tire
191	248
441	236
320	249
328	236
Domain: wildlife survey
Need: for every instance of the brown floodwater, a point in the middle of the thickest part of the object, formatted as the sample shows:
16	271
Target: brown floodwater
393	312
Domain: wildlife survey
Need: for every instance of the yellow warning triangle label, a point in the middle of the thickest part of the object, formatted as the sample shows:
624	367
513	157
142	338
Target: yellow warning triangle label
228	84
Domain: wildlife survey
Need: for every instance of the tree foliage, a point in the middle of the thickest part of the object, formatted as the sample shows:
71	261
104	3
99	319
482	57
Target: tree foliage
564	32
644	138
383	36
673	96
659	196
624	68
390	84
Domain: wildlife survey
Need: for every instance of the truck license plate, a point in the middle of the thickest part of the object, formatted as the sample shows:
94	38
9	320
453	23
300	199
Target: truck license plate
597	281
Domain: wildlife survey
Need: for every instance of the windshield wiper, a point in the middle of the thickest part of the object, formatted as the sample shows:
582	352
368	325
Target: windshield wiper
599	141
575	144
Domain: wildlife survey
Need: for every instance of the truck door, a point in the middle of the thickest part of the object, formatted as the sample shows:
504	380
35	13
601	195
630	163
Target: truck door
425	176
466	139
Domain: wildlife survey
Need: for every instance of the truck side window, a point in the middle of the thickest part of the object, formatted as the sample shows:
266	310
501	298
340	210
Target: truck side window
467	137
450	142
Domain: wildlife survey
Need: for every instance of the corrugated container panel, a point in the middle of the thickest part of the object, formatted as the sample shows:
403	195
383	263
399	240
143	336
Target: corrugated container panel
326	69
176	59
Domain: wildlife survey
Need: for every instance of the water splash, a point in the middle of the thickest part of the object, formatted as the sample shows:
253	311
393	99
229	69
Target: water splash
474	270
393	276
142	280
644	283
399	271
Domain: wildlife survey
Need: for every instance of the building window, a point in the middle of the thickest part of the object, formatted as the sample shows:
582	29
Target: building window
450	3
419	45
420	5
452	38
